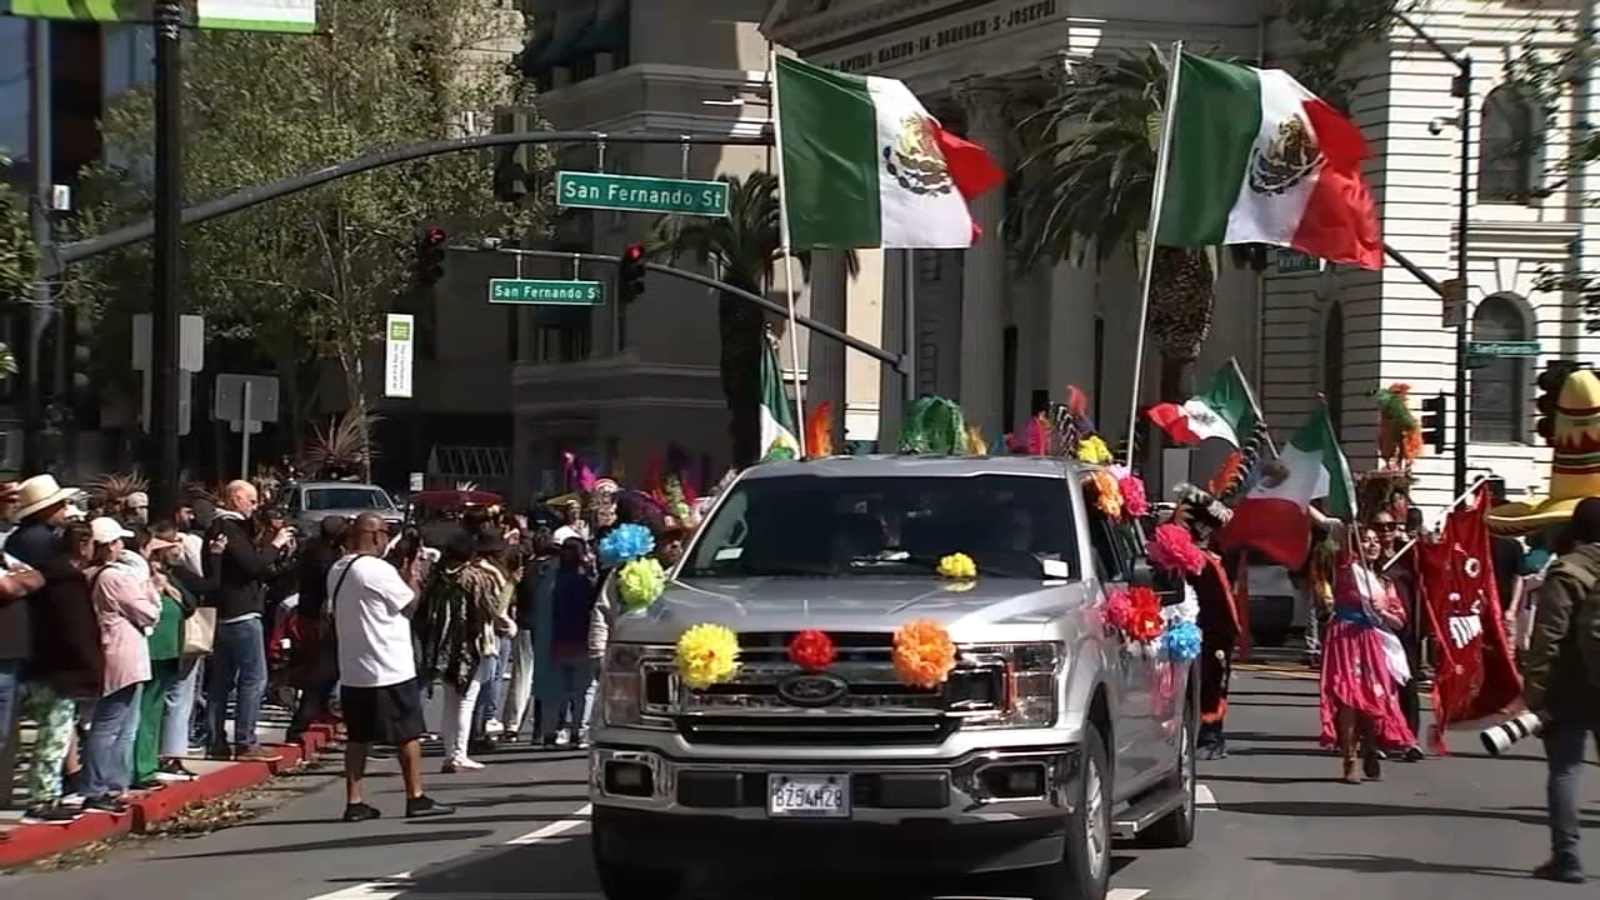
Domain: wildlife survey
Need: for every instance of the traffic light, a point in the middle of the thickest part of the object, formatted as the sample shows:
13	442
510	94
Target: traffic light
630	274
430	256
1433	422
1550	381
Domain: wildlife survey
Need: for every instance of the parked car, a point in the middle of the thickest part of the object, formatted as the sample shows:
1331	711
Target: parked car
309	502
1049	738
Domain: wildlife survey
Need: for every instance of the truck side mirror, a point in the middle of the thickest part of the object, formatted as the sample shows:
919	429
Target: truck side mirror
1141	574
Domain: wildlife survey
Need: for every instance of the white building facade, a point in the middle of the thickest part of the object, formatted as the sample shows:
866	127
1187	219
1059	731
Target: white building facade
1003	339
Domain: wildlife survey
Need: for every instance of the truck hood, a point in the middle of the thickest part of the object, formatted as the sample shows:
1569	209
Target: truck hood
992	609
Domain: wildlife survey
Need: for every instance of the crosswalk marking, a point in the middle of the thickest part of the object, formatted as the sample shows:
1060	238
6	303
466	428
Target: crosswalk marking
1203	798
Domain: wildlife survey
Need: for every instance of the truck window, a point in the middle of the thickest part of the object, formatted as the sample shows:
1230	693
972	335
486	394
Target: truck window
354	497
897	526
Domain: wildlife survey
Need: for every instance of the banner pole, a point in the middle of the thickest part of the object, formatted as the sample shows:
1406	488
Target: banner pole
788	256
1157	195
1438	520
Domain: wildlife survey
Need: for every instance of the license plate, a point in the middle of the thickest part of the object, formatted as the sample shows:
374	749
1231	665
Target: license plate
808	796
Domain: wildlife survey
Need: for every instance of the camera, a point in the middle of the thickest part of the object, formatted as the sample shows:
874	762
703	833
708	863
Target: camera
1497	739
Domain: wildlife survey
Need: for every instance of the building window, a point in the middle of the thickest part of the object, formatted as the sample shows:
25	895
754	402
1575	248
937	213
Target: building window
1333	364
1500	385
562	335
1508	147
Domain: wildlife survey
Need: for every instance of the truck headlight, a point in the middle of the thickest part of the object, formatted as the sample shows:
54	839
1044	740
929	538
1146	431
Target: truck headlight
1024	681
628	688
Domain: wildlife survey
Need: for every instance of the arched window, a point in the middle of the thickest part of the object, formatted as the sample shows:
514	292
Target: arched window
1508	147
1499	410
1333	363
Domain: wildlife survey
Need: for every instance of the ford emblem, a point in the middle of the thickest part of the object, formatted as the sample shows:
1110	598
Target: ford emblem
812	691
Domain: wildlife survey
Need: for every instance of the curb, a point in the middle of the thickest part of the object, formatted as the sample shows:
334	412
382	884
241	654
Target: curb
28	843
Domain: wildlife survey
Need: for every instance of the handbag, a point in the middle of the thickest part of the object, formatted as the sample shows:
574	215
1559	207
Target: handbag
200	632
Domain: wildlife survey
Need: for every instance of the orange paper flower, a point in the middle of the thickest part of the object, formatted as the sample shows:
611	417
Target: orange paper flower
923	654
1107	493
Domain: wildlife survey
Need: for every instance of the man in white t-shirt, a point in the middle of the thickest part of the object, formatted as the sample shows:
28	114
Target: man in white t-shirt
371	606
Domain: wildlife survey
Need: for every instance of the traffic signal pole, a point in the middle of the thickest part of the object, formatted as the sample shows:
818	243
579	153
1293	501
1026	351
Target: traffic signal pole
166	304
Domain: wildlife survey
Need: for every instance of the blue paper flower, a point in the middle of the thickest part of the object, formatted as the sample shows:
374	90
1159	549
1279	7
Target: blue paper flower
624	544
1181	641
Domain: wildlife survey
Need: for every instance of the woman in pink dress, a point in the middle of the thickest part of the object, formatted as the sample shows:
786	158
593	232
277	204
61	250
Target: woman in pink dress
1360	697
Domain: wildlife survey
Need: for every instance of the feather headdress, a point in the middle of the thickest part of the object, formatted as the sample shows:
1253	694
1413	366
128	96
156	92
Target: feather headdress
579	475
934	425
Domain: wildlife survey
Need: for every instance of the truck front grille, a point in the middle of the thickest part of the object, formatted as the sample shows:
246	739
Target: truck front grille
876	709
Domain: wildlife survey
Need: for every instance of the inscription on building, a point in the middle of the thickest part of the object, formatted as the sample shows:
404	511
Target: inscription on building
939	38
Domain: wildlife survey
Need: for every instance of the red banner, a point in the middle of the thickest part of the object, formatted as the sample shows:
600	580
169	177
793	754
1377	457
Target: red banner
1475	673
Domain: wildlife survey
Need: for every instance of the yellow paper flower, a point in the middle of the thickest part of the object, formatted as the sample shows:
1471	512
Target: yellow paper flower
958	567
707	655
641	582
1093	450
960	587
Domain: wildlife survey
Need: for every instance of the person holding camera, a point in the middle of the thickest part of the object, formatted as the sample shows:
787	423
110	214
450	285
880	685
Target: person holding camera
1561	682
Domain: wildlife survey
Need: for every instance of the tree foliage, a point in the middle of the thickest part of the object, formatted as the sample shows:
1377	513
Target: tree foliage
1331	32
311	275
17	255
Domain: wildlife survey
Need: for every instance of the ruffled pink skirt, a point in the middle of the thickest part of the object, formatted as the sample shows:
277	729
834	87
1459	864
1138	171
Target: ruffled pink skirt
1355	675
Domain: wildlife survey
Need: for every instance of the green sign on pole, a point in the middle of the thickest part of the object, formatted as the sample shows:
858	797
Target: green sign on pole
1503	349
633	193
1290	262
546	293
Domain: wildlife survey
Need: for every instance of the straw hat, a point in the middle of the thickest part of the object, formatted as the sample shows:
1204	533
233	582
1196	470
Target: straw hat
1575	470
40	493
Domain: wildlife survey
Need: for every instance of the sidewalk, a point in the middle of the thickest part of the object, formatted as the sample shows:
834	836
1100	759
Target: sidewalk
23	843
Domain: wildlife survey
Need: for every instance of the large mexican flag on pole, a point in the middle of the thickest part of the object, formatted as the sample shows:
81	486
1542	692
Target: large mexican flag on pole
863	164
1257	159
1274	518
778	432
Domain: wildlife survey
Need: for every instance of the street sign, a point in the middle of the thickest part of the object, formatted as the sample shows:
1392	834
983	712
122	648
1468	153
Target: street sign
185	402
1289	262
1504	349
546	293
234	403
400	339
633	193
191	343
1454	295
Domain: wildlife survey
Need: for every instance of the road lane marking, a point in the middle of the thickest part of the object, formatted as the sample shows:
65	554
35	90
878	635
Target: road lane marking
403	884
1203	798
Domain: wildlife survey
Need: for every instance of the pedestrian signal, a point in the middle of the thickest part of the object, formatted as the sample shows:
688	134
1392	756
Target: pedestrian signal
630	274
1433	429
1550	381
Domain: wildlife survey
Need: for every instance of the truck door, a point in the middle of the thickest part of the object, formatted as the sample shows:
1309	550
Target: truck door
1134	715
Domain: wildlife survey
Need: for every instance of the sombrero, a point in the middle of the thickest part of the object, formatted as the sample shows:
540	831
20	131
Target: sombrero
1575	470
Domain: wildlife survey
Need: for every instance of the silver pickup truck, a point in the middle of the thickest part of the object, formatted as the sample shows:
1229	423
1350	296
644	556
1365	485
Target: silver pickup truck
1049	738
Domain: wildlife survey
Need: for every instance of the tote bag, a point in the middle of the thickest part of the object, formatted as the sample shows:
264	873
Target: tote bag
200	632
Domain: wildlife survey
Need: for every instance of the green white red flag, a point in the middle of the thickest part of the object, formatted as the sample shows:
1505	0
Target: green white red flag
1274	518
1224	409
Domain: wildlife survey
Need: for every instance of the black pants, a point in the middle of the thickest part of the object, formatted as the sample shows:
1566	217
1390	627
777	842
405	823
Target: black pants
313	705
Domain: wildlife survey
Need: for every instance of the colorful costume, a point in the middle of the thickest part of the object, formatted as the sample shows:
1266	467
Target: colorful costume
1222	622
1363	667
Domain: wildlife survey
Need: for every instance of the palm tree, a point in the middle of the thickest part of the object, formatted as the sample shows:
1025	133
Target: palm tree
740	250
1090	180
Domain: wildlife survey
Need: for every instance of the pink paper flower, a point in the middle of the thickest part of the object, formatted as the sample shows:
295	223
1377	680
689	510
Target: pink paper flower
1135	503
1119	609
1173	549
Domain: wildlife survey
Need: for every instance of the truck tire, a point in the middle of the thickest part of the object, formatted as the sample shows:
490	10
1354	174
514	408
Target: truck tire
1176	829
1084	872
620	881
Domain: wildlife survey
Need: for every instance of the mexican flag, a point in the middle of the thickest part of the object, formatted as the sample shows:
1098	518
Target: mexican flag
778	439
1257	159
1225	409
863	164
1273	518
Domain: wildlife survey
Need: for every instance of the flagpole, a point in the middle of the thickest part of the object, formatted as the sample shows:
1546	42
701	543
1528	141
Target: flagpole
788	256
1438	520
1255	406
1158	192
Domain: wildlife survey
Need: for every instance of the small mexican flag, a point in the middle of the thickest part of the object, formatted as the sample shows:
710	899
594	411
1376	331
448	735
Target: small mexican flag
1225	409
777	413
863	164
1273	518
1258	159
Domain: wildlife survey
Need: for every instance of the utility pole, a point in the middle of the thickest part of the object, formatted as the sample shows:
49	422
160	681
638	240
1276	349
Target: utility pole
42	157
166	305
1461	88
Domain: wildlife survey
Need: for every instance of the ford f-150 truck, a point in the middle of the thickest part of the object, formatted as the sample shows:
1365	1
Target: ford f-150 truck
1050	738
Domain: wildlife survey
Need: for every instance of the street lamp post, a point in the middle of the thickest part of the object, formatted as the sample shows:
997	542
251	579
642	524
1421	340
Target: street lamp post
166	302
1461	88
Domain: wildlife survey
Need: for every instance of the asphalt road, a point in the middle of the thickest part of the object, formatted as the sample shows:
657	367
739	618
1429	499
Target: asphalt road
1283	827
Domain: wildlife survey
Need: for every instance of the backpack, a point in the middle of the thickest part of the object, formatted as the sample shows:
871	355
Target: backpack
1583	629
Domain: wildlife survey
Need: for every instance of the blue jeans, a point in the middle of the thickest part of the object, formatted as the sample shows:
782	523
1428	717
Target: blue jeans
238	658
492	699
10	700
178	709
572	679
1564	744
108	754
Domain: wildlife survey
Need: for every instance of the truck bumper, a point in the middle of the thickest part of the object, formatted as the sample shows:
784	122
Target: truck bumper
988	811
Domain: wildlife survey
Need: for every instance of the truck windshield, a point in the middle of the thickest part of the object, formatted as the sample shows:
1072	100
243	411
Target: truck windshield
804	525
319	499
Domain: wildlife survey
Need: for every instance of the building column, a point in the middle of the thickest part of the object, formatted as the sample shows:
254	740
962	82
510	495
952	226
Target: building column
983	281
825	356
892	386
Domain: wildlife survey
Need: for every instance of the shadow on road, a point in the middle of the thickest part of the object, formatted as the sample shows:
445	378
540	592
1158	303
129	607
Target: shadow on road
1268	779
1390	865
350	843
1346	810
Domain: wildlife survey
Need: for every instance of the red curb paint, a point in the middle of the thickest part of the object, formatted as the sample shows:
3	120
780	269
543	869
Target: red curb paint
27	843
